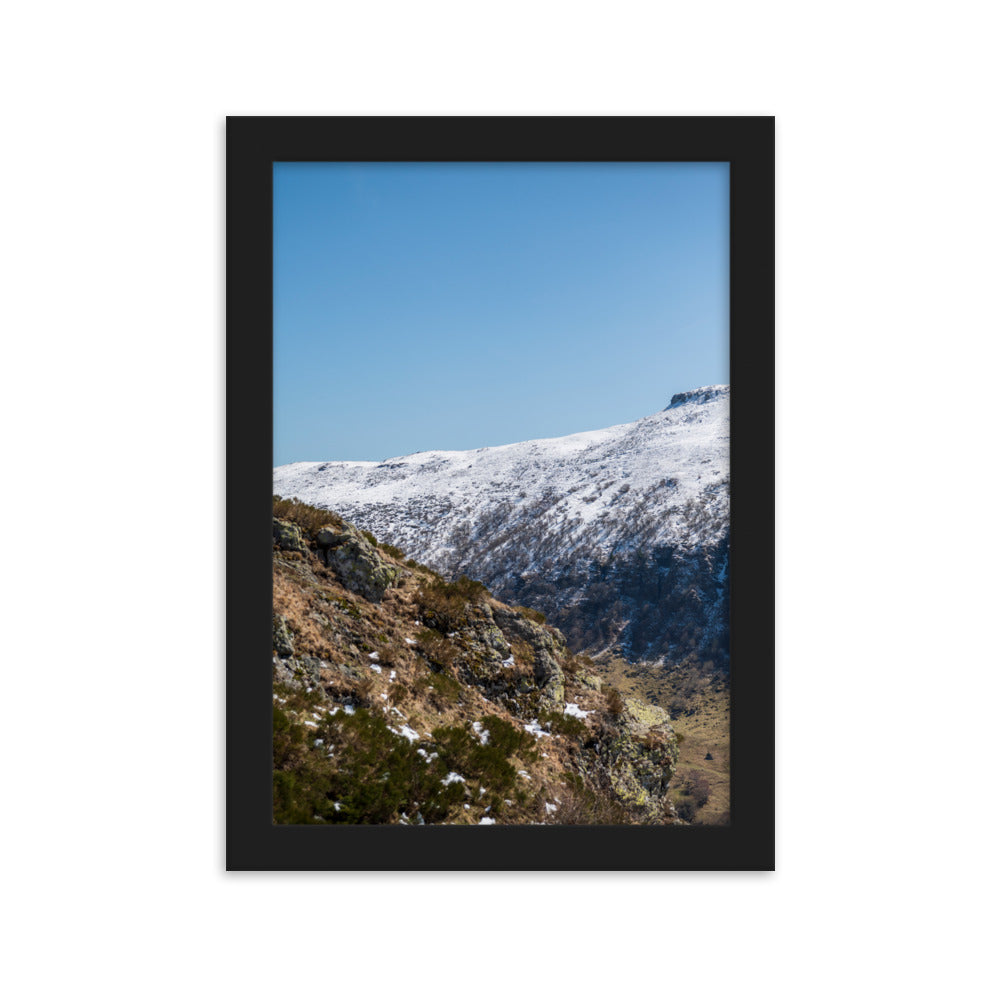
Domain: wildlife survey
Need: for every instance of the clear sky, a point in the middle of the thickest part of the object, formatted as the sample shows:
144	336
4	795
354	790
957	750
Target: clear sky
423	306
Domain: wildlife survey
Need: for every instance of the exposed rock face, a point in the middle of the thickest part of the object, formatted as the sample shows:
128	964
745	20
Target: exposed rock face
356	561
281	636
345	550
641	756
547	645
621	536
511	659
288	537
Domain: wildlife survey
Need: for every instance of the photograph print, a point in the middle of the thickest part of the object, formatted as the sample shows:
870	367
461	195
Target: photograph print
501	493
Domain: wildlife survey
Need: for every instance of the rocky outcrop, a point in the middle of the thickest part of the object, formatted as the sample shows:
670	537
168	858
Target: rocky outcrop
640	755
288	537
344	549
281	637
548	647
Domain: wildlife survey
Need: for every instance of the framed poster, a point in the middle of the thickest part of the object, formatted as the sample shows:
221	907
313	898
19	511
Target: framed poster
493	601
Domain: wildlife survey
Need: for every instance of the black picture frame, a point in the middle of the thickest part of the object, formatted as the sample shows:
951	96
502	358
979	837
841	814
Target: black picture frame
253	842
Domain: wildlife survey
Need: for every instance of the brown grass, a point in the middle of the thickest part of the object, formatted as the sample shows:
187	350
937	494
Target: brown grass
307	517
308	634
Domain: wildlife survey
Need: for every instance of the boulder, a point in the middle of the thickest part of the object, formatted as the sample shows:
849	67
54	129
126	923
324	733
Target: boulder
281	636
288	536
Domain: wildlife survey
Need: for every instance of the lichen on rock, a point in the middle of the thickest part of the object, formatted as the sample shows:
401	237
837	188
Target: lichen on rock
287	536
548	647
641	755
356	562
281	636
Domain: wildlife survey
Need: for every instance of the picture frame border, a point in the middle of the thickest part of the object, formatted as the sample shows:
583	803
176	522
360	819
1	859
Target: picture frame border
253	145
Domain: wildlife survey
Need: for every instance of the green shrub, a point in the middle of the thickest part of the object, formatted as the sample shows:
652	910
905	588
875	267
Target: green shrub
488	763
352	769
614	702
565	725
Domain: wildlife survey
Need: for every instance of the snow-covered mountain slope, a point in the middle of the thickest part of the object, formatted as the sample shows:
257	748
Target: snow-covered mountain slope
620	535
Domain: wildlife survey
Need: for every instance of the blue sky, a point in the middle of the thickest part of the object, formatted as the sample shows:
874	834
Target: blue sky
420	306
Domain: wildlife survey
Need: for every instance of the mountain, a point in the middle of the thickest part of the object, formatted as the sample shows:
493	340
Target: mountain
400	697
621	535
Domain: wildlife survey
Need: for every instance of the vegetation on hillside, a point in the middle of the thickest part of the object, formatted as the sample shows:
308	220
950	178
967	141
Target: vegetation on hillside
431	702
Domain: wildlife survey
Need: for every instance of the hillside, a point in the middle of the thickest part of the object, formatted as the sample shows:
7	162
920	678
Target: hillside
621	535
402	698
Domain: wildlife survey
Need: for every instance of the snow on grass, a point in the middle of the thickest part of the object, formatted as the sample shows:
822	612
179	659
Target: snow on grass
483	734
421	752
572	708
375	667
373	656
392	675
535	729
524	774
411	734
409	641
451	778
550	807
309	722
486	821
509	662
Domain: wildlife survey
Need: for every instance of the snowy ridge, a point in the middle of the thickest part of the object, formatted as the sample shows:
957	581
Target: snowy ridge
550	512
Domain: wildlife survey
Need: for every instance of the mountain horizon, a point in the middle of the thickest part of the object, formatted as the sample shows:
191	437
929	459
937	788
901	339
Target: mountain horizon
620	535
